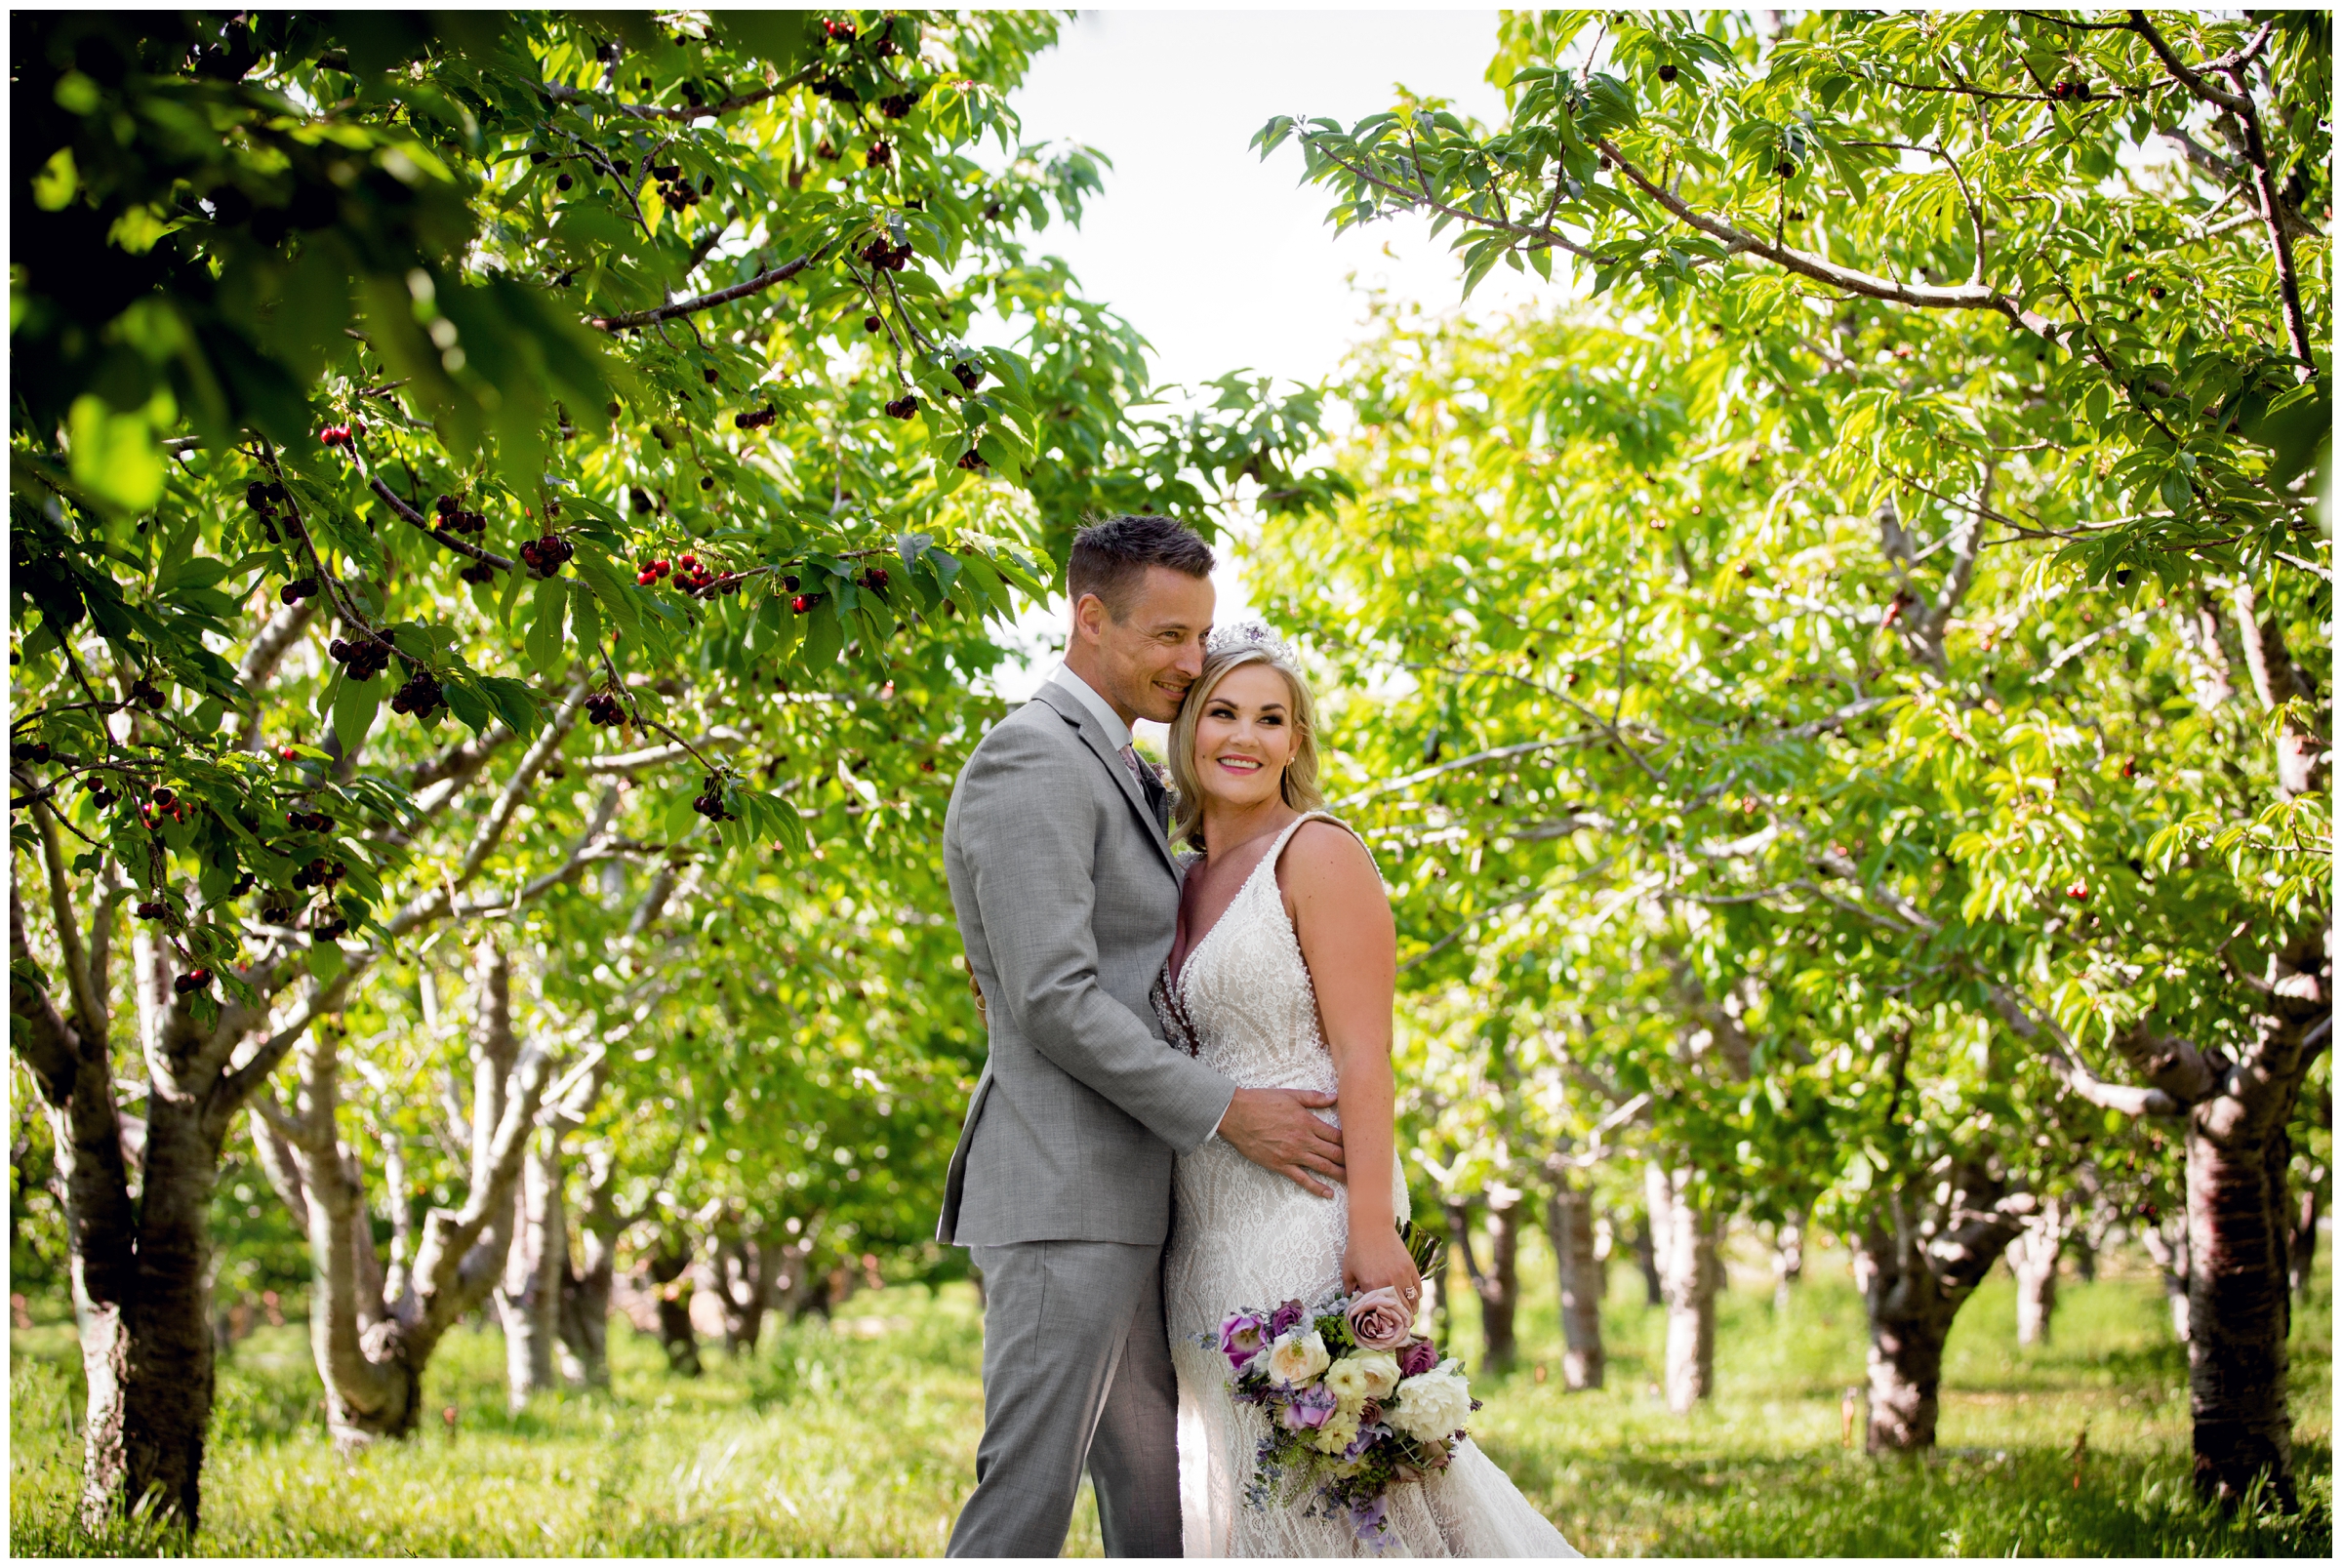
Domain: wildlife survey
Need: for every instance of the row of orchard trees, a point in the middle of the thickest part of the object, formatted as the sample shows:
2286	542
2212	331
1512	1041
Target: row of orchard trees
508	518
1839	696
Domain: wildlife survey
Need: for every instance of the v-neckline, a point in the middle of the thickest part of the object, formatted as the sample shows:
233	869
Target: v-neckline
1268	858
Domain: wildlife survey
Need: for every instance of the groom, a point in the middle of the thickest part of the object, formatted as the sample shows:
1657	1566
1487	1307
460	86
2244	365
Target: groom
1067	896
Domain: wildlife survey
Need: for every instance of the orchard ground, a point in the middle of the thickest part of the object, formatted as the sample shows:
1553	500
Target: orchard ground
858	1437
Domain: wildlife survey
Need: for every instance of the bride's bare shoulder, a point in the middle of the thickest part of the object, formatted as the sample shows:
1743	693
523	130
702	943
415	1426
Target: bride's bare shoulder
1325	858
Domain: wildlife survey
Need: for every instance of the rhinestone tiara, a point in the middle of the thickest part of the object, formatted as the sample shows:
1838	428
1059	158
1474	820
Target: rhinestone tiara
1249	635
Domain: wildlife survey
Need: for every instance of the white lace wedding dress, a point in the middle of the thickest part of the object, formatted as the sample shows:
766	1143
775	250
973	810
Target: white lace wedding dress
1242	1237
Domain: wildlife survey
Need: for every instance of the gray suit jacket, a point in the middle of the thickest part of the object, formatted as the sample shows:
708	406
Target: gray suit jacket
1068	896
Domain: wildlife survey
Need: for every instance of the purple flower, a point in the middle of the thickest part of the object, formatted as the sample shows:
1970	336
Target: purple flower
1284	1318
1370	1519
1310	1408
1369	1434
1243	1337
1418	1358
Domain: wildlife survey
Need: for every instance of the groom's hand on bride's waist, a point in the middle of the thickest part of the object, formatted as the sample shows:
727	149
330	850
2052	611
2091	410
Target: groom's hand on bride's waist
1276	1130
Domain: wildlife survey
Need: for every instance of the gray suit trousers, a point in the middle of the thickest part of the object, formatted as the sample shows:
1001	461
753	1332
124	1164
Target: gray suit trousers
1077	1370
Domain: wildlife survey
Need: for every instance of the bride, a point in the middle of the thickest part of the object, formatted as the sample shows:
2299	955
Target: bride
1281	975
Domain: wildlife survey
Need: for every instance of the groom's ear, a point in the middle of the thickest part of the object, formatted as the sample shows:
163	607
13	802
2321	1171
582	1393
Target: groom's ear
1090	616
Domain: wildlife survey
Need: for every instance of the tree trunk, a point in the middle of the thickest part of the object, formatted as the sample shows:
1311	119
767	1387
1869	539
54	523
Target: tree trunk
167	1392
1789	1259
748	1269
1684	1246
1498	1287
72	1069
372	1335
1919	1277
2170	1255
584	1320
1569	1223
2302	1251
2033	1258
528	1300
670	1271
1646	1260
2240	1302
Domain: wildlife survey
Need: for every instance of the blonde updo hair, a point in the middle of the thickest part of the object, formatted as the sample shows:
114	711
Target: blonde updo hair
1299	781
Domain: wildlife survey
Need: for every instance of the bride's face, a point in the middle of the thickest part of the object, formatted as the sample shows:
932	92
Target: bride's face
1244	737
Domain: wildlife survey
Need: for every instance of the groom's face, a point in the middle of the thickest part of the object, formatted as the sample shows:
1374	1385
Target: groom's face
1149	655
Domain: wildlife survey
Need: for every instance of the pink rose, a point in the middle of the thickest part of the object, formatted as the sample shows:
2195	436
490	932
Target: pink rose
1379	1321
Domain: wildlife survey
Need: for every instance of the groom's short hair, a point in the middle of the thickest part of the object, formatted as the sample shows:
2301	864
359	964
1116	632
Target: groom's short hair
1110	558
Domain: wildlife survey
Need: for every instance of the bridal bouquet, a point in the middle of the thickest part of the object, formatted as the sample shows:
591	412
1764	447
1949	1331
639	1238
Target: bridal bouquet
1356	1403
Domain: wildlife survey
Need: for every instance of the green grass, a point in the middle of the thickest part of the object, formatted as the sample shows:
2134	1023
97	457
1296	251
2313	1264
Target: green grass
862	1441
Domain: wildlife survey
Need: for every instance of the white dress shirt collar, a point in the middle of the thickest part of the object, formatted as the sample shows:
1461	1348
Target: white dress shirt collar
1117	733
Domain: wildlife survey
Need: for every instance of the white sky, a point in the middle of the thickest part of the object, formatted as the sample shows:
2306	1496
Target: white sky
1222	260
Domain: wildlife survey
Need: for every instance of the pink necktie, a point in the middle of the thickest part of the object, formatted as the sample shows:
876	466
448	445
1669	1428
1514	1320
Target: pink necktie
1130	758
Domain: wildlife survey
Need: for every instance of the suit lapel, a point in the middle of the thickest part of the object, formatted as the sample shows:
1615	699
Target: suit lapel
1068	708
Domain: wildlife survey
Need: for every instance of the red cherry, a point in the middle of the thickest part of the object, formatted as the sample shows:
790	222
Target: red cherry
2078	892
646	579
800	604
688	561
286	752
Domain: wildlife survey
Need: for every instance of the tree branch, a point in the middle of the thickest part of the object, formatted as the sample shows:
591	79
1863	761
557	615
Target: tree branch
374	482
89	1003
709	301
1966	297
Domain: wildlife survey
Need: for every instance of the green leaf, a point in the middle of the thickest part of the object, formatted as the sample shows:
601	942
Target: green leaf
824	637
584	620
354	711
542	644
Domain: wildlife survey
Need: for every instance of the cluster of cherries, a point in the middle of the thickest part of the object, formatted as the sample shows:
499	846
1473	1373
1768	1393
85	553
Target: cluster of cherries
973	462
884	257
35	751
309	821
161	802
359	661
264	499
709	801
153	909
676	191
321	872
194	980
603	708
757	418
300	588
897	104
692	576
874	580
419	696
341	435
545	557
328	926
456	520
903	407
2070	92
969	377
478	572
834	31
879	155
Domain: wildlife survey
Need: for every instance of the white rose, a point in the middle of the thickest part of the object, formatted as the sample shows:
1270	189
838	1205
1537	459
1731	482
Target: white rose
1297	1357
1382	1372
1431	1405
